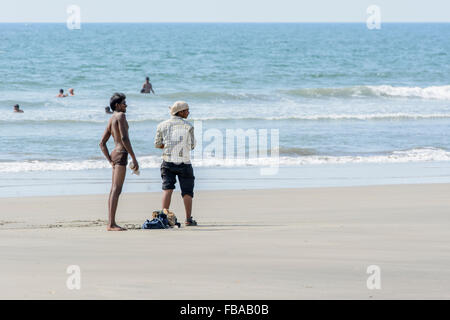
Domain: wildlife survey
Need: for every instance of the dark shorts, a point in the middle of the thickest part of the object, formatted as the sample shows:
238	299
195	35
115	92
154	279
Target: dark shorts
185	173
119	157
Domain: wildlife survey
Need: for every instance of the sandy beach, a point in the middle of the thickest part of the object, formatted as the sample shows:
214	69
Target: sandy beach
314	243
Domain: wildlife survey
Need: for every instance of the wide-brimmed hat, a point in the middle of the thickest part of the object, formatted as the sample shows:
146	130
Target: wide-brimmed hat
178	106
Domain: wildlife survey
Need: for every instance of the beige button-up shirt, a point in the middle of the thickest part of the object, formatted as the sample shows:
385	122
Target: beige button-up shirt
177	136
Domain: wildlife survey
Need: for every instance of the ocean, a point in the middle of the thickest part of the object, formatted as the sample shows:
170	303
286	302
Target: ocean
342	97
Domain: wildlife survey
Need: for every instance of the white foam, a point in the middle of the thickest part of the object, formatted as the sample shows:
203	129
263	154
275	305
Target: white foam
318	117
434	92
413	155
372	116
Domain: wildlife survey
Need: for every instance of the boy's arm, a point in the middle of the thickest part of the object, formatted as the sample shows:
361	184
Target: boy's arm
123	128
102	144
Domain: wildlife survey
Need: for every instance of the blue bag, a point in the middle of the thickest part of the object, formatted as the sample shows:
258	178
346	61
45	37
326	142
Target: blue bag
159	222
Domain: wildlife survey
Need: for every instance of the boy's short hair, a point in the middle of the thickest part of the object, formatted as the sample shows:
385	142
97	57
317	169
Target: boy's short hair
115	99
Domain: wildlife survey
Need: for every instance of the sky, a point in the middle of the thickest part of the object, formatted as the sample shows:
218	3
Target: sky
225	10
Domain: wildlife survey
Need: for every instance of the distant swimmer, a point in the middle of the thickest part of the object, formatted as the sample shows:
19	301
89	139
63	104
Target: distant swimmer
108	110
61	94
17	109
71	92
147	87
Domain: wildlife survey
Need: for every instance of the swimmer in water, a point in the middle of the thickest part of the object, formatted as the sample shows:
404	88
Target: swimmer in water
147	87
17	109
61	94
71	92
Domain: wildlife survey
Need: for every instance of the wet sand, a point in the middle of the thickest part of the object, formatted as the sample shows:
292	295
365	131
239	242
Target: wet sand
314	243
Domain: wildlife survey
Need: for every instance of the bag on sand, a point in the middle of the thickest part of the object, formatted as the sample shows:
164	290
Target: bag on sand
154	224
161	220
172	218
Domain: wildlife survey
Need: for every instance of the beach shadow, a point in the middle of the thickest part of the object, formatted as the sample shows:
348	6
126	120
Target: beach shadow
2	223
16	225
237	225
228	227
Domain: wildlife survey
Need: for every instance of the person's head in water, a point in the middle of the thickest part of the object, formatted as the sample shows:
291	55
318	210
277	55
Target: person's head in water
61	94
17	108
147	79
71	92
118	103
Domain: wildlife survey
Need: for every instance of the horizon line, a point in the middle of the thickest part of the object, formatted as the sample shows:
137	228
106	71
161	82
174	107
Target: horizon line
212	22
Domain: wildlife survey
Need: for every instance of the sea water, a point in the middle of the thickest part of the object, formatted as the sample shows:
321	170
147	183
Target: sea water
341	96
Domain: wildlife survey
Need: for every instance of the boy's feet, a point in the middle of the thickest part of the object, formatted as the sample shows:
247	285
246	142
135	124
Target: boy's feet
115	227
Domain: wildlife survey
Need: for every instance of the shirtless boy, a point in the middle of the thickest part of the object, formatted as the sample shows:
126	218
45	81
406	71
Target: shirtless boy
118	128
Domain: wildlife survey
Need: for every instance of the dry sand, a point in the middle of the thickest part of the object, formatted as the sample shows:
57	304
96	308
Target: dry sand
253	244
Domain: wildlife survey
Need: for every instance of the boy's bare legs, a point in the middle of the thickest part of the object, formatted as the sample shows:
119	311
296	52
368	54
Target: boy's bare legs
118	178
109	198
187	199
167	197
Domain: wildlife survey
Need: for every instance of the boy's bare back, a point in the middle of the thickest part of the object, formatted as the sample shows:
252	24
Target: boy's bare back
116	125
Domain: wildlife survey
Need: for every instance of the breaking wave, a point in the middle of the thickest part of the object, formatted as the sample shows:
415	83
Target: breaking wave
317	117
400	156
433	92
